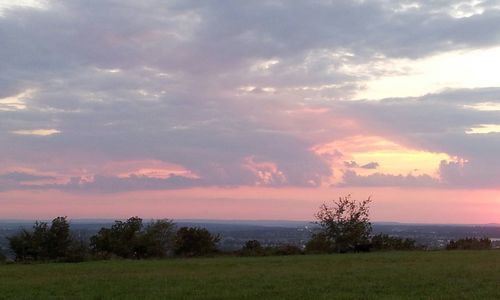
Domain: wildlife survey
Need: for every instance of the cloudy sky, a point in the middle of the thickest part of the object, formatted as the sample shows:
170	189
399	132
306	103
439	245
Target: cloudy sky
250	109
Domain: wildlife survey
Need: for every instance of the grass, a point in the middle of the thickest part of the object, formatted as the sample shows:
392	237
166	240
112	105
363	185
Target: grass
389	275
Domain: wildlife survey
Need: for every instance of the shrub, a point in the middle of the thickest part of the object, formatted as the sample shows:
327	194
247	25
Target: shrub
287	249
386	242
252	248
469	244
319	243
77	251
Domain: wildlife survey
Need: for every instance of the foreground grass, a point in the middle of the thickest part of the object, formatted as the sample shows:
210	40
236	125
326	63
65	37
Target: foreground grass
390	275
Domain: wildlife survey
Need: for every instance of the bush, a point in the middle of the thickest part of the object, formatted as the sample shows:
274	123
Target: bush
386	242
77	251
469	244
194	241
319	243
287	249
252	248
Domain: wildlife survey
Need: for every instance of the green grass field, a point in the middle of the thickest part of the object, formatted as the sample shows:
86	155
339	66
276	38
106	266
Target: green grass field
389	275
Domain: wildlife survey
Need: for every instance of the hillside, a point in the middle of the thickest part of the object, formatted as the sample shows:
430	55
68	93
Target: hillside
392	275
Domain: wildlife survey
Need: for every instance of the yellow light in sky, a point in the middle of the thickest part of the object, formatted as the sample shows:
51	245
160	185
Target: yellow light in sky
404	161
159	173
391	157
15	102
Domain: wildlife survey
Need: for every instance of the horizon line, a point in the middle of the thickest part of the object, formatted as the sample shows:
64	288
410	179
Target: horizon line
243	221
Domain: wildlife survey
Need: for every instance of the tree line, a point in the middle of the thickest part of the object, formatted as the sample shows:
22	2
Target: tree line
130	239
344	226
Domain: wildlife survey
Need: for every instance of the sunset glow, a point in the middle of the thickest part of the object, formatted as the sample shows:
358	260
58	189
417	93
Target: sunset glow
255	110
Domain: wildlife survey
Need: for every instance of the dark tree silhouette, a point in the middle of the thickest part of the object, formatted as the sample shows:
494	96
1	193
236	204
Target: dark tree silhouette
122	239
158	238
43	242
346	224
59	239
386	242
130	239
194	241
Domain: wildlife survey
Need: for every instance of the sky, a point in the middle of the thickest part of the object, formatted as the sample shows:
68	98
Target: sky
250	109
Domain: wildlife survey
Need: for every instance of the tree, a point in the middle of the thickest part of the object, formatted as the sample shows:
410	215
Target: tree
31	245
346	224
125	238
122	239
195	241
130	239
100	244
43	242
58	238
158	238
21	245
38	242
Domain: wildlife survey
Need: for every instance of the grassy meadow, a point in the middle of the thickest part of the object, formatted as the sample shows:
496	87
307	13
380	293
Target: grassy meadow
382	275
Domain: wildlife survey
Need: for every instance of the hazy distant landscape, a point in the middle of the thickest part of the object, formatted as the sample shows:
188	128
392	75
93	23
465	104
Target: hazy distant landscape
234	233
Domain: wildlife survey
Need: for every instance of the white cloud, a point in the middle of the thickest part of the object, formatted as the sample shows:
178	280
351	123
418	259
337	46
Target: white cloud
5	5
456	69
